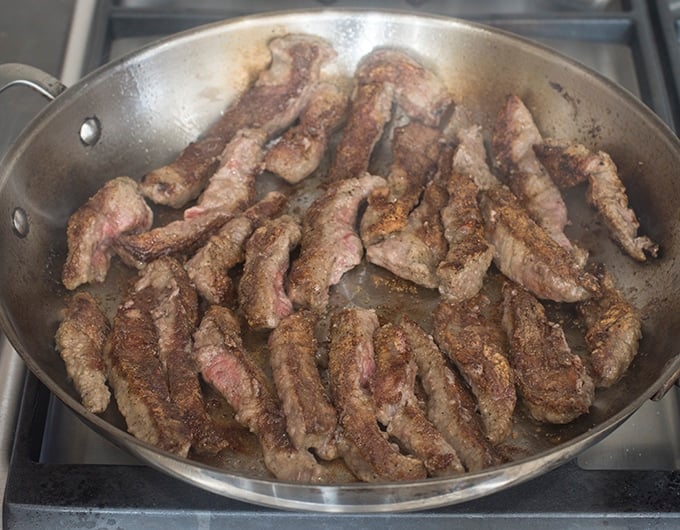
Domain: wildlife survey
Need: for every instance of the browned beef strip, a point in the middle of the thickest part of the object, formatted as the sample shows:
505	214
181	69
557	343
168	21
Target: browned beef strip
209	267
302	147
461	272
370	110
470	157
570	164
311	420
613	331
450	406
175	315
415	252
525	253
476	345
261	290
552	381
397	406
115	209
514	136
178	237
271	104
330	245
415	149
80	341
226	365
417	90
137	378
232	187
351	366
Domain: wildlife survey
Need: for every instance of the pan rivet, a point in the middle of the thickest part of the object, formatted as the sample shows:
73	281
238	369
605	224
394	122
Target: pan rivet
20	222
90	131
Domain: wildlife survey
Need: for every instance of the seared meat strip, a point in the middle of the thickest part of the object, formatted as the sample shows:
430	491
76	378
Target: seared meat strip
417	90
461	272
271	104
80	340
232	187
414	252
525	253
311	420
397	406
330	246
301	148
209	267
137	378
415	149
175	315
613	331
178	237
514	136
606	193
263	298
115	209
450	406
470	158
476	345
351	366
225	364
552	381
370	110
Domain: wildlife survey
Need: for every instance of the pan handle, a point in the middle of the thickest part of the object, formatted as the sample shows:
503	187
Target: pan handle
673	371
21	74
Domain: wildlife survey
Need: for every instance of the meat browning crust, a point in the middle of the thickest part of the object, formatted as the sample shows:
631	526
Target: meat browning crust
613	331
226	365
397	406
551	380
271	104
80	341
117	208
311	419
351	366
138	380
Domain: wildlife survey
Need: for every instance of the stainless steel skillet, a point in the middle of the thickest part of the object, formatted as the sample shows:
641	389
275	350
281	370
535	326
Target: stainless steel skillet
138	112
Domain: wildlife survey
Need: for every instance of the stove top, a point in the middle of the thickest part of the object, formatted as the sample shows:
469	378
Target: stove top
62	474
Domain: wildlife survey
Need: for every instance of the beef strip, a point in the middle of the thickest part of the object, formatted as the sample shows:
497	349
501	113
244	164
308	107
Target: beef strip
80	341
178	237
137	378
525	253
300	150
115	209
450	406
397	406
330	245
232	187
209	267
261	291
461	272
370	110
225	364
175	315
311	419
470	157
417	90
351	366
476	345
415	149
552	381
415	252
606	193
613	331
271	104
514	136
